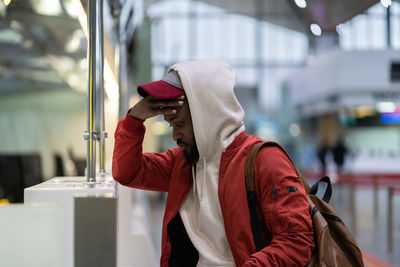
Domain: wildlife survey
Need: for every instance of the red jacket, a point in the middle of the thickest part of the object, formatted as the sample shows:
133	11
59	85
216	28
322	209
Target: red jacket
289	233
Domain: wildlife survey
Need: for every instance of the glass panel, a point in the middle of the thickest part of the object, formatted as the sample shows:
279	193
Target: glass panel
209	39
178	40
226	31
269	90
241	38
346	37
377	33
395	8
298	44
395	32
246	76
272	41
359	32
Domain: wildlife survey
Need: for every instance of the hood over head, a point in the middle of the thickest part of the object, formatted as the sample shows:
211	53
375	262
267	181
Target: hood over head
216	113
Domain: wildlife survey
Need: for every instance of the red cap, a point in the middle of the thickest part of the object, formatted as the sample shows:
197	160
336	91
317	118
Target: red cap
160	89
169	86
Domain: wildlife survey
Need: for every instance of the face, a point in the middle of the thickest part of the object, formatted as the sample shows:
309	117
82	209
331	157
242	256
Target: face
183	133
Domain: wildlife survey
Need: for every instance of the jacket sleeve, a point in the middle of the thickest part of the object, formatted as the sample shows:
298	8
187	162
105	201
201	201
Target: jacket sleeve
130	167
285	209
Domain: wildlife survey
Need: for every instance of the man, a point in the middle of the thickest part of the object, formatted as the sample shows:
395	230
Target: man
206	220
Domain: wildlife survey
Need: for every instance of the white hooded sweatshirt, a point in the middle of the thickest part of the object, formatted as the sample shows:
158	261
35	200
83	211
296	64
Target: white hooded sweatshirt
217	120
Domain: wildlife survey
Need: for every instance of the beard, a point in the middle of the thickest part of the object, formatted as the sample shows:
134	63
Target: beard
192	156
191	153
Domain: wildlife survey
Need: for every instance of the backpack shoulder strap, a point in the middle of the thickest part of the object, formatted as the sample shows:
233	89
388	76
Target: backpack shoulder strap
249	167
251	160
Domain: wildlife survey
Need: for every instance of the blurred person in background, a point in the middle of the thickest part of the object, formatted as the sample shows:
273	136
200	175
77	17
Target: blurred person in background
339	152
322	152
206	219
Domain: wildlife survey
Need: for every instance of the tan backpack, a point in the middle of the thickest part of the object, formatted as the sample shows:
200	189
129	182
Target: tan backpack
334	244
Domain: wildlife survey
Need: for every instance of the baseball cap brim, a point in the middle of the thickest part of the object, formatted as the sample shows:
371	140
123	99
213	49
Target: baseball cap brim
160	89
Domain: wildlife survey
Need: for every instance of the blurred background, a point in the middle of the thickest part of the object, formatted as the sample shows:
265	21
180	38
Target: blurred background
320	77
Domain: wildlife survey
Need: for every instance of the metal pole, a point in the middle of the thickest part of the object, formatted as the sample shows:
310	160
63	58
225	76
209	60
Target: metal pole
390	220
352	201
101	119
375	199
388	26
259	46
123	73
116	7
91	134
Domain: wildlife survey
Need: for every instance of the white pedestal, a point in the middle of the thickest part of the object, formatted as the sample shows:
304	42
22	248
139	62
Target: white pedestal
134	243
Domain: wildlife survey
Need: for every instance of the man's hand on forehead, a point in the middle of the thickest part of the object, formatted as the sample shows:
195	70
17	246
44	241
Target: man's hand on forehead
150	106
167	107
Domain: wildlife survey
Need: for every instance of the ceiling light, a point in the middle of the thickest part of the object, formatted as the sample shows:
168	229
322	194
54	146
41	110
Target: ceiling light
301	3
342	29
386	3
294	129
6	2
315	29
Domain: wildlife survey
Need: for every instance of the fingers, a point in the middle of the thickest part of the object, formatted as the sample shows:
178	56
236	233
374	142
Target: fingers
168	109
149	107
169	112
166	105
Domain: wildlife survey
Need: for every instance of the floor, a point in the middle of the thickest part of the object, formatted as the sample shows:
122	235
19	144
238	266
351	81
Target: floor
369	220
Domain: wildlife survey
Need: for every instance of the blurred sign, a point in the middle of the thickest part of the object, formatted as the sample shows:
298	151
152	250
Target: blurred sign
391	118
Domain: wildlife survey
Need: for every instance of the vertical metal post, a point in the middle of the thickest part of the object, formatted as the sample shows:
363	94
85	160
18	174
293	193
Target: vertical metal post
352	201
390	220
91	135
123	75
375	199
121	62
100	80
388	30
116	7
258	41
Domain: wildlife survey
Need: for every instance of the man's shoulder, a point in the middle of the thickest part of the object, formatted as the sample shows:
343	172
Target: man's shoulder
242	145
246	141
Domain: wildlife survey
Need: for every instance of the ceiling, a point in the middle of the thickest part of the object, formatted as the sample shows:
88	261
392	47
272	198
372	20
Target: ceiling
326	13
34	42
330	13
43	46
